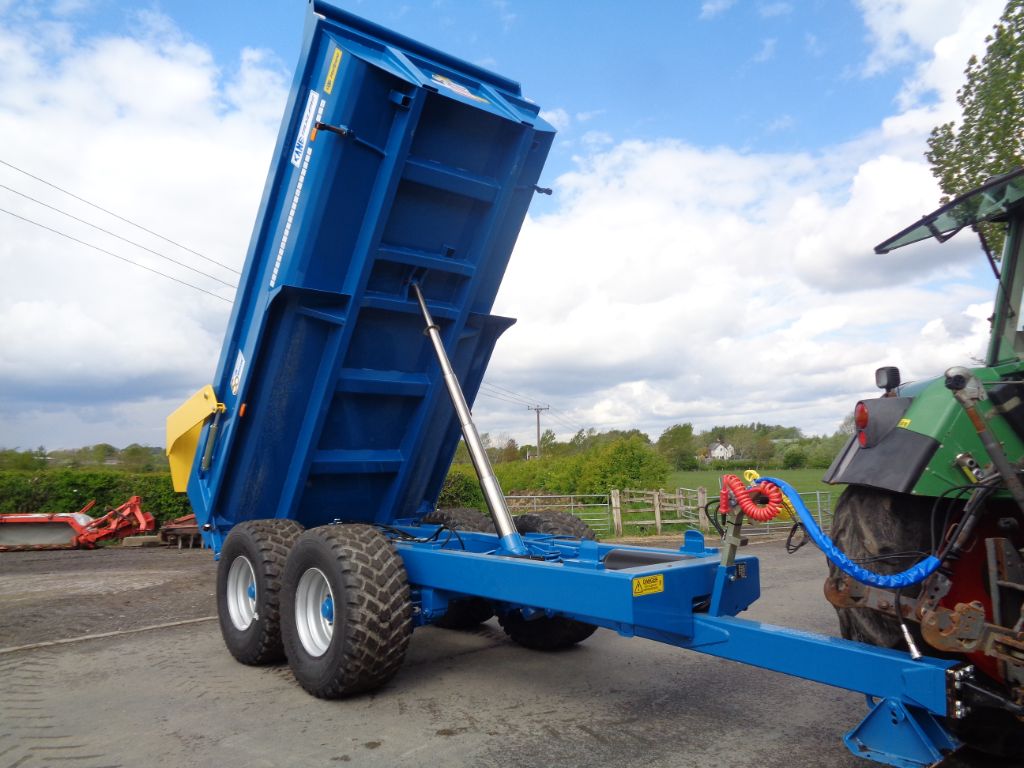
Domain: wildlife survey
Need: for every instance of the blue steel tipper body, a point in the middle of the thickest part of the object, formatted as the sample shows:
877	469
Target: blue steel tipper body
425	173
400	180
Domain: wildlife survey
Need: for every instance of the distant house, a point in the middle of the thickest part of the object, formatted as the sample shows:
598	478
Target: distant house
719	451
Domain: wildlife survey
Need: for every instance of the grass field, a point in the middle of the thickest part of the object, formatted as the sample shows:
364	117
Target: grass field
804	480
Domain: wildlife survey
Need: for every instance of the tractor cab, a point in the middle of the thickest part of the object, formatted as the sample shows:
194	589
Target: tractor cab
1000	199
919	439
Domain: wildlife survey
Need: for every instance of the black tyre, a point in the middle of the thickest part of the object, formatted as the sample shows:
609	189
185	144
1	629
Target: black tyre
871	523
472	611
548	633
556	524
346	610
248	588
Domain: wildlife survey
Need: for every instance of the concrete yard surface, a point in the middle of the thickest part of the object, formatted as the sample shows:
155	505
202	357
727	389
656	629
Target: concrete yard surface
175	697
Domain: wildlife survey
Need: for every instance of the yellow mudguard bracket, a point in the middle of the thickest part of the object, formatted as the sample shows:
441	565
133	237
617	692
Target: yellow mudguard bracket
183	429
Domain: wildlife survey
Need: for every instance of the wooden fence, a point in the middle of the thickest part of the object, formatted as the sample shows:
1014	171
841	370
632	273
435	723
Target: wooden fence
606	513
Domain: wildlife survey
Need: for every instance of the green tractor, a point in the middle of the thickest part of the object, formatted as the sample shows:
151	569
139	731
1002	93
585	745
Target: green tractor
934	469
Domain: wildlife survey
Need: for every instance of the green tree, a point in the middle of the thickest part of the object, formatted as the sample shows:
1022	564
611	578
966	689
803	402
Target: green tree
626	463
677	445
99	453
548	439
138	458
989	138
794	458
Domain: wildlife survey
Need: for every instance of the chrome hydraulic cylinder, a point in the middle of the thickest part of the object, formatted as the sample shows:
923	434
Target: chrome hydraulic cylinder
511	541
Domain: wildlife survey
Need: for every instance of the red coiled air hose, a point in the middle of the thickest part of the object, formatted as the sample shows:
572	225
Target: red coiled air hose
753	510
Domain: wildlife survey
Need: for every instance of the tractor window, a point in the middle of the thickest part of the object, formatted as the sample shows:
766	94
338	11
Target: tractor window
989	201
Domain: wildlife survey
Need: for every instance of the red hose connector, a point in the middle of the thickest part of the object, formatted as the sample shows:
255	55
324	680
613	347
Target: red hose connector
761	513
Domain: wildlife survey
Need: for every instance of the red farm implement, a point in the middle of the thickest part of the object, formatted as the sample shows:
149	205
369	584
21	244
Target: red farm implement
73	530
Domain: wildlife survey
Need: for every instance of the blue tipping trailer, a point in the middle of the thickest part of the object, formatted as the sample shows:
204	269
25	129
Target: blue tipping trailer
400	180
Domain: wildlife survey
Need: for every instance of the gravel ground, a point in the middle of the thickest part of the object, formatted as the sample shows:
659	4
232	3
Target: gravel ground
174	697
69	593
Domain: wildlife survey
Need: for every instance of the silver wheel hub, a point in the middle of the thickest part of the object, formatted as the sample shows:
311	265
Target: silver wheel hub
314	612
241	593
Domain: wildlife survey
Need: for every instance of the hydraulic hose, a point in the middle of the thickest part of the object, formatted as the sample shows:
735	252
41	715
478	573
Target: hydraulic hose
913	575
762	513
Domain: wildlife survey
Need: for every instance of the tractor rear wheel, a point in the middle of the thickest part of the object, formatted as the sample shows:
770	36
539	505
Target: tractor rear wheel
548	633
346	612
870	523
469	612
248	588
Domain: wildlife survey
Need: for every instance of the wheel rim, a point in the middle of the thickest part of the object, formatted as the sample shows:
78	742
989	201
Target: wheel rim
241	593
314	612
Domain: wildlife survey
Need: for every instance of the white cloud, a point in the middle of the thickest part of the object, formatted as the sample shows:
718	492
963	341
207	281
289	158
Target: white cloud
770	10
711	8
781	123
767	51
813	46
901	30
671	282
160	135
505	15
713	286
559	118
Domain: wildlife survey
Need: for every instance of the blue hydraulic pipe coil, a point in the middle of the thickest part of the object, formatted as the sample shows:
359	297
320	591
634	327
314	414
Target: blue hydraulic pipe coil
913	575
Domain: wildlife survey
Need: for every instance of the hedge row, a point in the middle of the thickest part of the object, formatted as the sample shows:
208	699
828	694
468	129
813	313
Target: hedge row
67	490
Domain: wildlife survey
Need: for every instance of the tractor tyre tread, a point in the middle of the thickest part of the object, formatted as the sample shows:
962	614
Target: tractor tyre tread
548	633
373	609
266	543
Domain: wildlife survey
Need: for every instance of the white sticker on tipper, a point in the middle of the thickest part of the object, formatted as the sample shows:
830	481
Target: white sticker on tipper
304	128
295	204
236	375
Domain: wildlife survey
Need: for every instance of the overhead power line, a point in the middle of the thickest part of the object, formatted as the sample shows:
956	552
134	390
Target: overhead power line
111	253
119	237
118	216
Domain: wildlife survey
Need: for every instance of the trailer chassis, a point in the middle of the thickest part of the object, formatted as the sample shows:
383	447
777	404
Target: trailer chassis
688	599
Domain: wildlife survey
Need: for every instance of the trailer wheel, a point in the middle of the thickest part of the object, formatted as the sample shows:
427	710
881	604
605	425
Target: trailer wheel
346	610
472	611
548	633
248	588
868	523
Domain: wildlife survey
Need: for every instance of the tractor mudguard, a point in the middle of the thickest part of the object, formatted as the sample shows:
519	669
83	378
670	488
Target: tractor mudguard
891	458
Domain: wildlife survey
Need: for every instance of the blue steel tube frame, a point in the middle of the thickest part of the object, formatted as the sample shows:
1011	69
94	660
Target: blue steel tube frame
907	697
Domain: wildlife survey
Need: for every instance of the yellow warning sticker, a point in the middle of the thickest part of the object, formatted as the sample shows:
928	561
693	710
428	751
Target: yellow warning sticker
904	423
648	585
333	71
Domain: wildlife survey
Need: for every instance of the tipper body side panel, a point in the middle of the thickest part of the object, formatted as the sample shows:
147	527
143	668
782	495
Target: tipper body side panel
395	163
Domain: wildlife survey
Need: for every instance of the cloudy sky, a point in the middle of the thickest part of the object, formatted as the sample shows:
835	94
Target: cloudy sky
722	172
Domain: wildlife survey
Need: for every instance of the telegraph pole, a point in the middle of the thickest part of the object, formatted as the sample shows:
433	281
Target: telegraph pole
538	409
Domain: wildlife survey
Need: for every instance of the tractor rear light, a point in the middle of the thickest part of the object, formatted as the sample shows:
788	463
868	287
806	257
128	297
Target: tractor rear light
860	416
860	421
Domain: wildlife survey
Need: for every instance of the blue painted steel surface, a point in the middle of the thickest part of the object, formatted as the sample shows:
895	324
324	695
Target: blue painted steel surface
397	163
574	582
900	735
423	168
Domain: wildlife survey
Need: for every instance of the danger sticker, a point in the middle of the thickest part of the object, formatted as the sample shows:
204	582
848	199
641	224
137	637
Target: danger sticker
648	585
904	423
332	72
